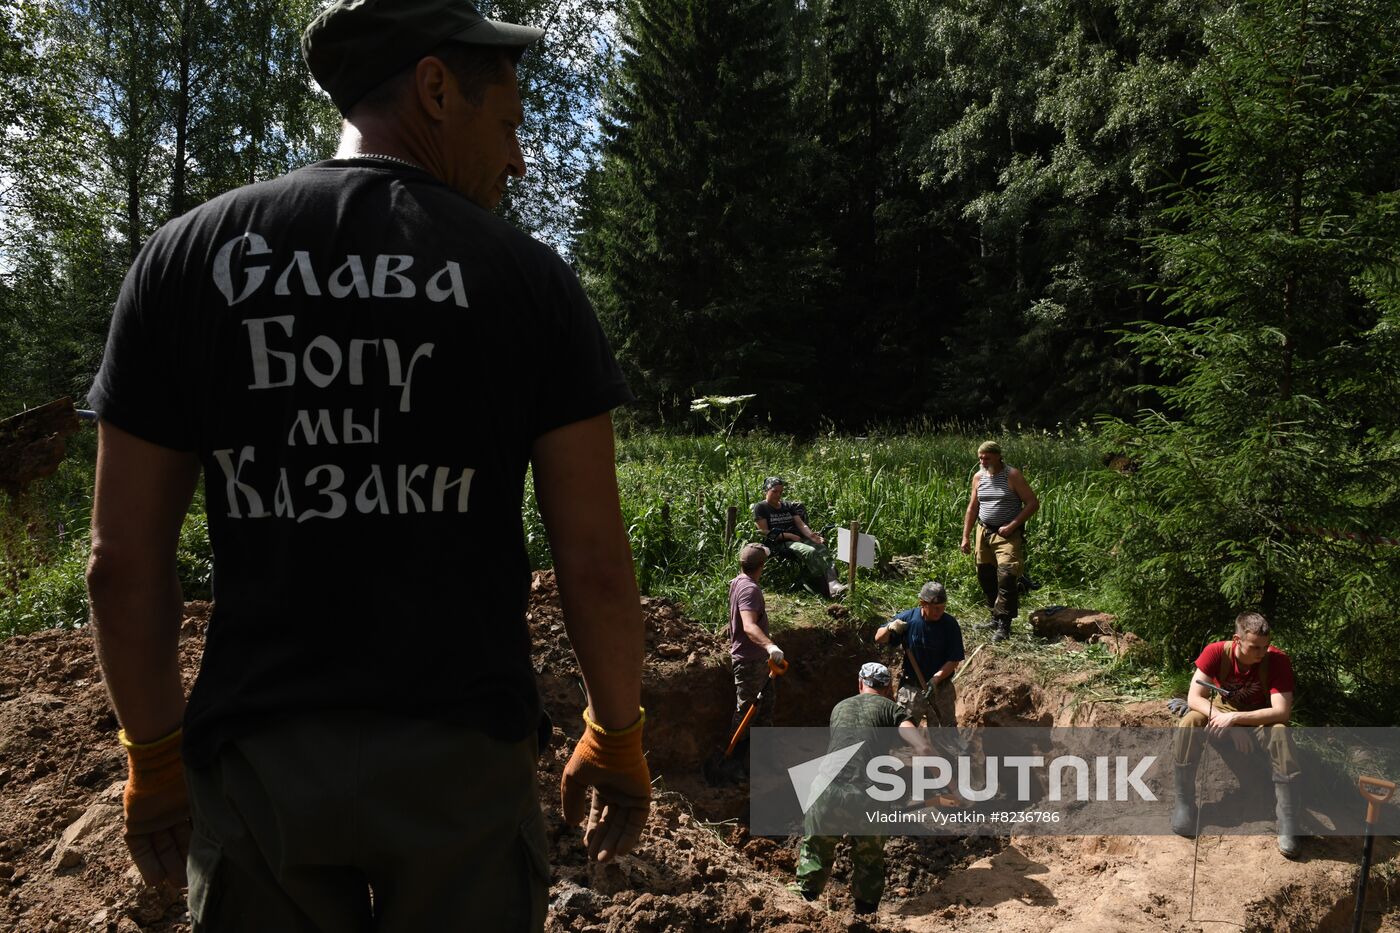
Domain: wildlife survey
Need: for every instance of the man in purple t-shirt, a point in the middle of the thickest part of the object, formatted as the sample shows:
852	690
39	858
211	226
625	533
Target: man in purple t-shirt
750	648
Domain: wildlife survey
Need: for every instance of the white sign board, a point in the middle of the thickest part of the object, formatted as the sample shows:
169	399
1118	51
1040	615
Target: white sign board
865	548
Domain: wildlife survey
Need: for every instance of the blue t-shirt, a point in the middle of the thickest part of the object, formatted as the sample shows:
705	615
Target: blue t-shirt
933	644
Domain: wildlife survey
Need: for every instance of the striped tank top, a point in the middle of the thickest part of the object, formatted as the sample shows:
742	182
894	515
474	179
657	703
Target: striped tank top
997	502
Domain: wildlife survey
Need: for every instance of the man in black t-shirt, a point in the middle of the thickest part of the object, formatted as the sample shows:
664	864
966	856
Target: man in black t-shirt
785	533
339	351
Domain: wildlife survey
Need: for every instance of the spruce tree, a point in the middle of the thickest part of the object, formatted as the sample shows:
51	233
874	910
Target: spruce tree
1277	414
693	250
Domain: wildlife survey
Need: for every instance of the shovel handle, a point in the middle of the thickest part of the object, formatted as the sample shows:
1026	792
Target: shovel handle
778	669
1376	791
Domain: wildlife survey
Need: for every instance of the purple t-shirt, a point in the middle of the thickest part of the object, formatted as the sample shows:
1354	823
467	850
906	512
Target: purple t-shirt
745	594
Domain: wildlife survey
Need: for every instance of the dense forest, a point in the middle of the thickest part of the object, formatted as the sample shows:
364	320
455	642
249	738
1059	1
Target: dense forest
1177	221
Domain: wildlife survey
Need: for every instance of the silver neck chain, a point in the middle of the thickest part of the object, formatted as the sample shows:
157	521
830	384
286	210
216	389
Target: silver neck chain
387	158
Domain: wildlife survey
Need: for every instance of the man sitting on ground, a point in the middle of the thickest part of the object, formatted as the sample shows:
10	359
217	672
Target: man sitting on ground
784	526
1255	702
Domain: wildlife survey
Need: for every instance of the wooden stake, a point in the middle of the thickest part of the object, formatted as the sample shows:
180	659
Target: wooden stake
851	567
731	522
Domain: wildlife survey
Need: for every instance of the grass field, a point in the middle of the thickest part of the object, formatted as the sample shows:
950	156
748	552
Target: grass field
909	491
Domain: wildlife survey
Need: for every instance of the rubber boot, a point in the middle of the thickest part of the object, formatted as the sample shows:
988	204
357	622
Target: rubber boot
1184	812
866	907
834	587
1003	628
987	577
1286	795
1008	595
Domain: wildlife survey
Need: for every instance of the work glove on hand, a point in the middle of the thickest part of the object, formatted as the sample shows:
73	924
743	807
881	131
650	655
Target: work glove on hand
775	654
612	764
157	809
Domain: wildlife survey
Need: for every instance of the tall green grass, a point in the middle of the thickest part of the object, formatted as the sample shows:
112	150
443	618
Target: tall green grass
909	490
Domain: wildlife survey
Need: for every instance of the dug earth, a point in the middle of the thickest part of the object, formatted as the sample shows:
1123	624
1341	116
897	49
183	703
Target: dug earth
63	866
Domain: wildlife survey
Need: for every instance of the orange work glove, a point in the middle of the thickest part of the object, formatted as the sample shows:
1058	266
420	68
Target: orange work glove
157	809
610	762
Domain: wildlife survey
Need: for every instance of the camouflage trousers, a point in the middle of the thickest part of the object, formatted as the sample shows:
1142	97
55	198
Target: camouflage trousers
818	853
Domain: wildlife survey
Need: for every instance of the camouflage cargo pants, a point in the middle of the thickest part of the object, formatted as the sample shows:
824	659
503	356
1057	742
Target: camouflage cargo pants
818	853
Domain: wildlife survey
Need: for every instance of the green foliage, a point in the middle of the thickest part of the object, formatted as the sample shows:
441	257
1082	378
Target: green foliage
694	248
909	490
1052	126
1279	357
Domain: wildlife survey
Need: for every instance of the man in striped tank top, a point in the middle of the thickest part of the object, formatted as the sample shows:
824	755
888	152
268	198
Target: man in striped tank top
1001	503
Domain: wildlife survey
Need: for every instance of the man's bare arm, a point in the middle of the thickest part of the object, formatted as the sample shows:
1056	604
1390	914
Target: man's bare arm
1029	503
914	737
969	518
1278	712
751	630
142	493
576	487
1198	697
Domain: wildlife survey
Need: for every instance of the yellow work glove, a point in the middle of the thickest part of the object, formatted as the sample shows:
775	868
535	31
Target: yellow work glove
612	764
157	809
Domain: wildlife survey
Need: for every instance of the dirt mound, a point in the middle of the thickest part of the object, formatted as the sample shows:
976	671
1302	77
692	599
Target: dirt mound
63	866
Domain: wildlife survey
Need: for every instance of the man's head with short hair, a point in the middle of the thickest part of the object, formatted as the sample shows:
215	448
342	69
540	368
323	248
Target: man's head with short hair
1252	623
933	592
933	597
753	557
1252	637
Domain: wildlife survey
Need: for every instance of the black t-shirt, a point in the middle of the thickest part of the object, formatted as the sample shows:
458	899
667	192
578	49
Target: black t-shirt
781	520
362	359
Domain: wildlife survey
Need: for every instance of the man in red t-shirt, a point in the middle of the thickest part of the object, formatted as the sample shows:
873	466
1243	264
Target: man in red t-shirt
1251	708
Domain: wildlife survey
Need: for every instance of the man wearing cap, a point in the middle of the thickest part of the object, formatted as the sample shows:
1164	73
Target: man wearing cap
1002	501
750	648
933	649
339	351
785	531
854	719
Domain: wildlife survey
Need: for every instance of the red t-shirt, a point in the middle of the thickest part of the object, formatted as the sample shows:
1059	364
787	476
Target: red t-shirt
1246	692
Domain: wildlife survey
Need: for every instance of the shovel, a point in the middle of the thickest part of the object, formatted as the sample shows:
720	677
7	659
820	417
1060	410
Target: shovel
1376	792
716	767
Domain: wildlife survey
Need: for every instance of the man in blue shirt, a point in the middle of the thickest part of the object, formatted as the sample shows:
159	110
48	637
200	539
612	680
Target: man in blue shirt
933	646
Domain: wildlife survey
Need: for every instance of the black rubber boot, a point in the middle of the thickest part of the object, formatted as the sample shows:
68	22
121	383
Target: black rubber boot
1184	812
987	576
1008	601
866	907
1286	808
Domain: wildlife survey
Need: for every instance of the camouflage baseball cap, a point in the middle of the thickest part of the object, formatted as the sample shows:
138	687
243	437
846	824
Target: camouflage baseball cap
772	481
874	674
989	447
353	46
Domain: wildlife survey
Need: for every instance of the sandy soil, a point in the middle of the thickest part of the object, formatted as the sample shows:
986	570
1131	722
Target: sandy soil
63	866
